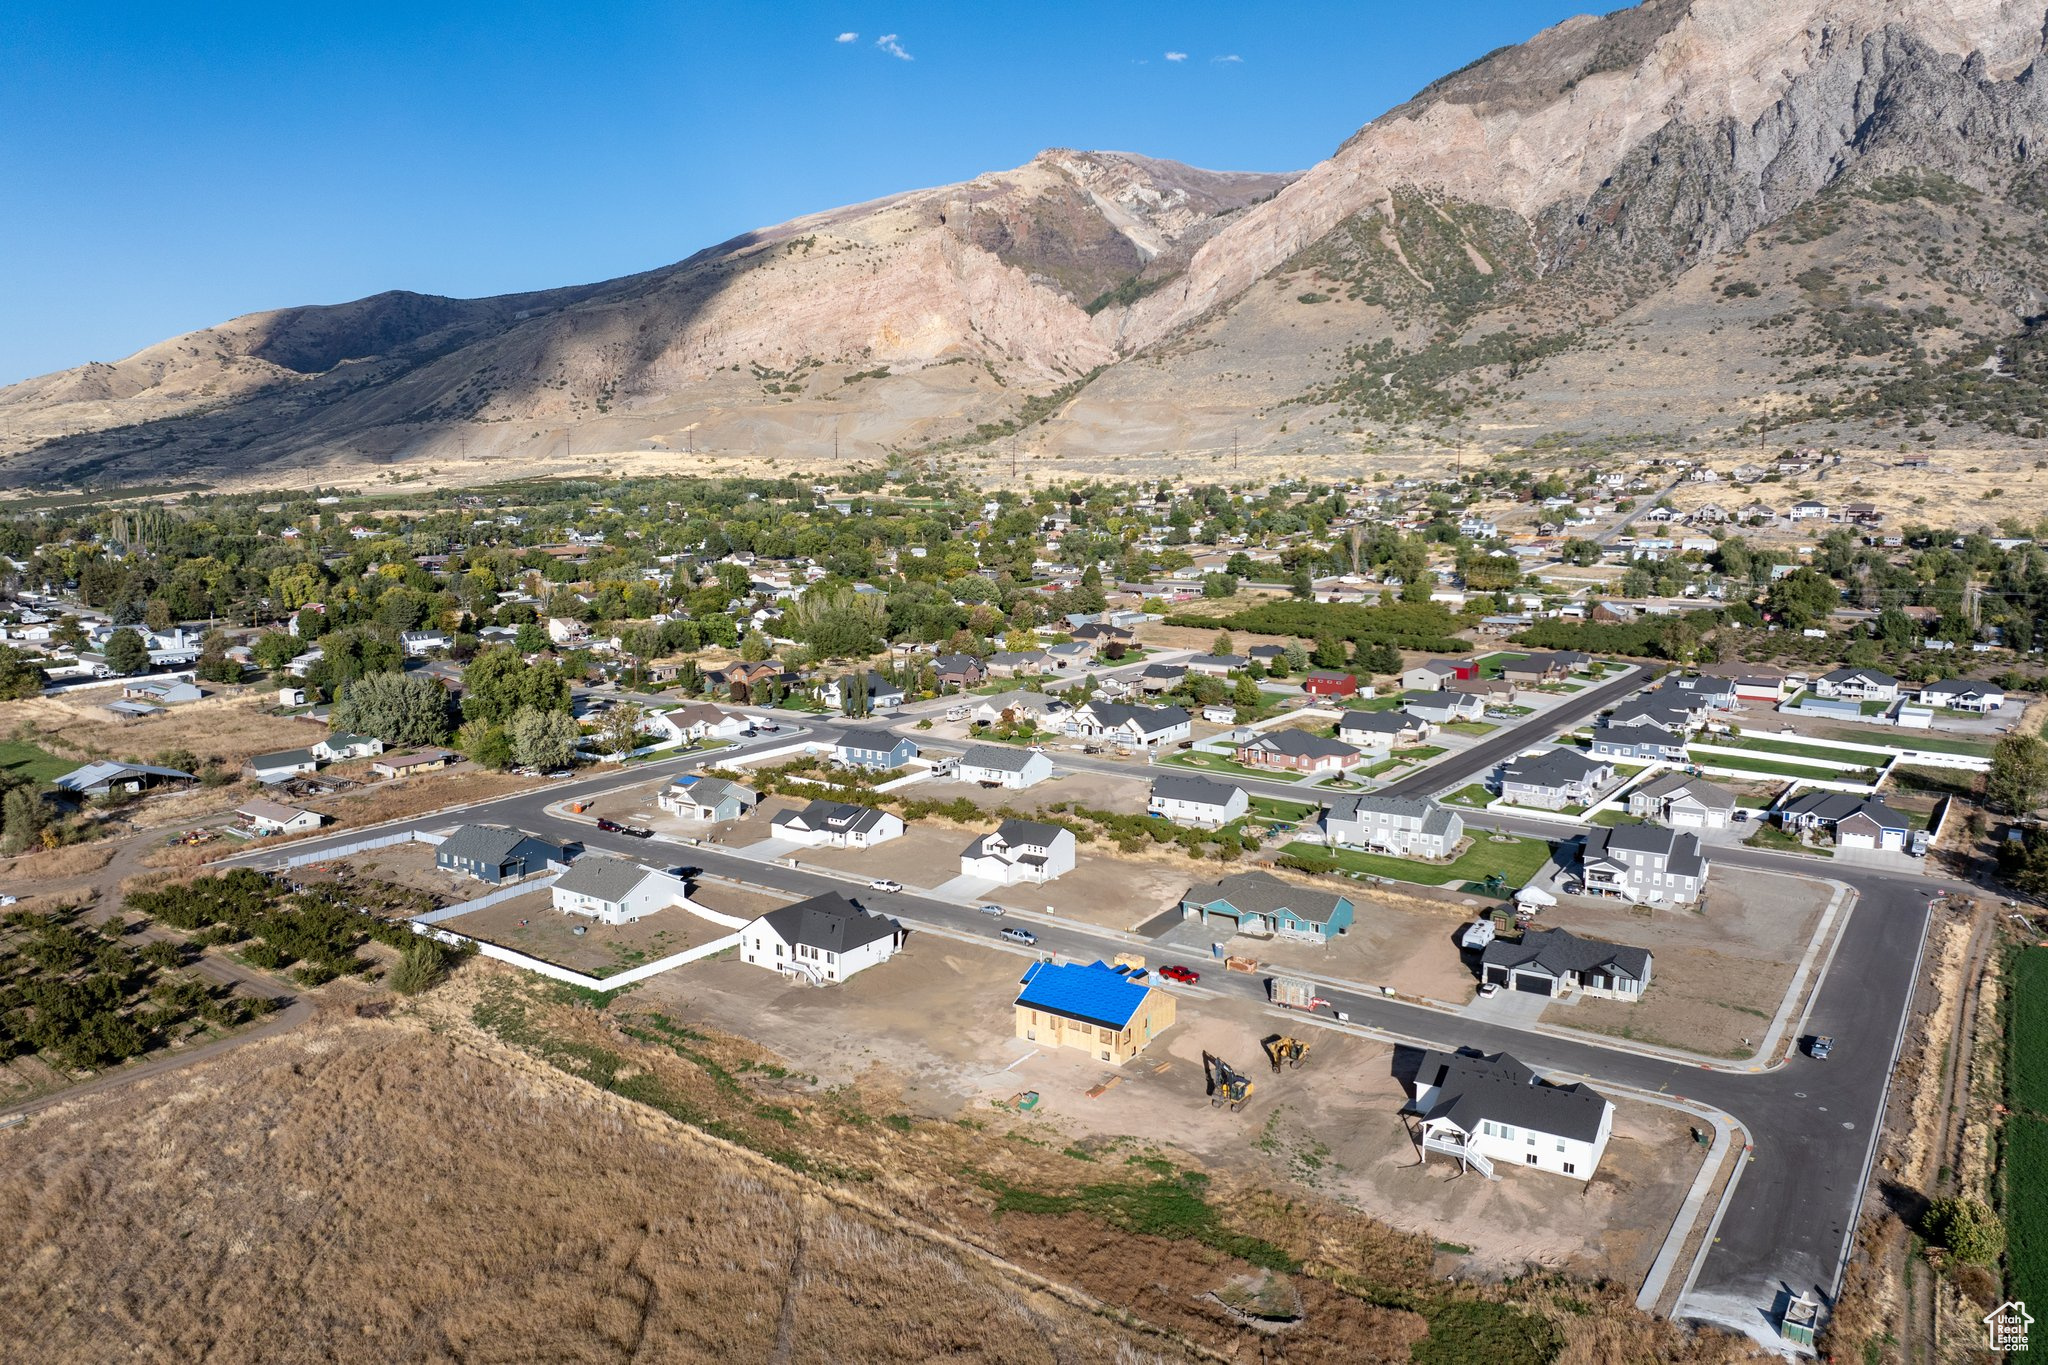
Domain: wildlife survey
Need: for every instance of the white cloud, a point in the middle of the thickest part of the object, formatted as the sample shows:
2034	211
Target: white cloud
846	38
1176	56
1229	57
887	42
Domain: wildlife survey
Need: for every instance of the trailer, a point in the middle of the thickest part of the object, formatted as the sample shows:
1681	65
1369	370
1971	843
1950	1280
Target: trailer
1293	992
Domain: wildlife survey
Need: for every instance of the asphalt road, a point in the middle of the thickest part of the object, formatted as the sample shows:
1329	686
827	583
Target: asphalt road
1455	769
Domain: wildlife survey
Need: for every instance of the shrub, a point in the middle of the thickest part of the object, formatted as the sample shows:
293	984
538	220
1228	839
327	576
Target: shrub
1968	1229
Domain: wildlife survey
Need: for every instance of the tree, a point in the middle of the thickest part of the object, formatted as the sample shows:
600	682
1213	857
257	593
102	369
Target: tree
2019	774
1801	598
1223	644
1580	552
622	729
19	675
355	652
214	664
1245	694
423	964
1378	657
1296	657
156	614
1329	651
1219	585
274	649
542	739
839	623
23	813
755	647
1966	1227
395	707
498	684
126	653
532	638
486	745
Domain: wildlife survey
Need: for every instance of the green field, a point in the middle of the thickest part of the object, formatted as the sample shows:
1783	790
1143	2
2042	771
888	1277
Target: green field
1931	744
2026	1132
1517	861
1271	808
1493	665
1611	818
1387	703
1217	763
37	765
1778	769
1795	750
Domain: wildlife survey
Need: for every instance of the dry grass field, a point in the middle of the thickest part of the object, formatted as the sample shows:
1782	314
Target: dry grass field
226	727
502	1173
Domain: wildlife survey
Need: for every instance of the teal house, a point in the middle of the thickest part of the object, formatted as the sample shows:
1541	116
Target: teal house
1260	904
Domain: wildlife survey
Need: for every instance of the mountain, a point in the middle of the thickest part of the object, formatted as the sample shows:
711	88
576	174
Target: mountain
1682	222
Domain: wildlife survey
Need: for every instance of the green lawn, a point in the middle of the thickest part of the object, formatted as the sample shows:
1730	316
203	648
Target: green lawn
1517	861
37	765
1272	808
1475	795
1778	769
1474	728
1771	837
2027	1036
1783	746
1561	810
2026	1133
1421	753
1914	739
1611	818
1385	765
1386	703
1874	708
1217	763
1493	665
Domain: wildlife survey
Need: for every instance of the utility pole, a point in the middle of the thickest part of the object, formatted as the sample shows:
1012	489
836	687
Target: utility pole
1236	459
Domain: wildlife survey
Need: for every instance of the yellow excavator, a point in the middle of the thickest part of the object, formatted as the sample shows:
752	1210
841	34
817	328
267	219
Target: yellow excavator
1281	1048
1226	1084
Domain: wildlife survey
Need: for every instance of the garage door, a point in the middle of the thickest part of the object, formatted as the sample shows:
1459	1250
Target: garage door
1499	975
1534	985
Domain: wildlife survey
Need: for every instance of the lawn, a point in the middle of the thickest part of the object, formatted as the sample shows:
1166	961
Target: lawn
1771	837
1386	703
1517	860
2026	1132
1931	744
1271	808
1217	763
1611	818
1493	665
1782	746
1874	708
37	765
1421	753
1778	769
1475	795
1474	728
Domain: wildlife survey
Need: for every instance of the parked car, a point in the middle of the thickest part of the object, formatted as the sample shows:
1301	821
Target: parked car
885	884
1017	935
991	909
1489	990
559	772
1187	976
610	826
636	831
1739	816
686	873
1819	1046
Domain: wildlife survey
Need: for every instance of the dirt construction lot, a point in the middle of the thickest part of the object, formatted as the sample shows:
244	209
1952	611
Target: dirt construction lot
1092	790
1718	977
935	1024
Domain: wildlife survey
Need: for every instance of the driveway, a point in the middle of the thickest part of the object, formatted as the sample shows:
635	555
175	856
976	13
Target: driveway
1507	1008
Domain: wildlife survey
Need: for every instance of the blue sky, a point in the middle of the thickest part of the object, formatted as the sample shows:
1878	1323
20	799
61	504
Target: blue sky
168	166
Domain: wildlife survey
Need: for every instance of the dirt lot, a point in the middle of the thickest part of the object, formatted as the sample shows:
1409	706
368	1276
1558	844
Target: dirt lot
1718	977
230	726
1094	790
1411	949
1332	1126
530	924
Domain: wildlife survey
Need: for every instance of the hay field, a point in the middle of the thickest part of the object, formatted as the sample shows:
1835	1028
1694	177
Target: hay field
229	728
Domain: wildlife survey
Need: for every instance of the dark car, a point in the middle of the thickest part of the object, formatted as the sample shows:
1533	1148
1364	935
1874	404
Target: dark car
636	831
610	826
1187	976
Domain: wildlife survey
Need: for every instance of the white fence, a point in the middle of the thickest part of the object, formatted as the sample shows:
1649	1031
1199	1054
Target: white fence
409	836
589	983
494	898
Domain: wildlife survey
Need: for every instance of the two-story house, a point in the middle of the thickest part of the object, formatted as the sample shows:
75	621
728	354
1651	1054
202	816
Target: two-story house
1645	864
1019	851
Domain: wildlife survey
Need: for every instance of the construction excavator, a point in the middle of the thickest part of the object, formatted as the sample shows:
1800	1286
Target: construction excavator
1226	1084
1281	1048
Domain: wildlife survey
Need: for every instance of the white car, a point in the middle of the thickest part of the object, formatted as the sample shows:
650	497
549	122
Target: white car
1489	990
884	884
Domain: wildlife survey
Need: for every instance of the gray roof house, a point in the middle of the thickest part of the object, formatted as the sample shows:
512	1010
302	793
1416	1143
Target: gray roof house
615	891
1646	864
1683	802
1857	821
1263	905
1442	708
1004	765
281	765
1137	726
1019	851
824	939
873	749
1557	962
1554	779
1405	826
1197	801
708	798
1486	1111
493	853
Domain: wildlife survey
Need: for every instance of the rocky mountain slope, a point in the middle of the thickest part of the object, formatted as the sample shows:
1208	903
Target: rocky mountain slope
1684	222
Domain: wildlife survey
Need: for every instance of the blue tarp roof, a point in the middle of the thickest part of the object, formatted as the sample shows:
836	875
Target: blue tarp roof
1098	992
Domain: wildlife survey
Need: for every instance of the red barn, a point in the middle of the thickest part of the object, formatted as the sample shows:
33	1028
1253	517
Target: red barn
1327	684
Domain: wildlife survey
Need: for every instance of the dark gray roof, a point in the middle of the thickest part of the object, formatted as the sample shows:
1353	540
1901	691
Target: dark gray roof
1556	767
1680	851
1871	675
710	791
491	844
997	757
283	758
837	816
1559	951
1401	807
1263	893
603	878
1031	832
1961	687
872	741
1834	807
830	923
1197	789
1472	1088
1375	722
1300	744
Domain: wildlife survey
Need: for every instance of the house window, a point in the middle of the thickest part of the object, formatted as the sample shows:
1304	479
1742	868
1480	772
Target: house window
1531	1158
1571	1168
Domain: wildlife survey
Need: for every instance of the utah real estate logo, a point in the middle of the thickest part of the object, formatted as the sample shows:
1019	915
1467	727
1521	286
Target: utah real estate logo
2006	1326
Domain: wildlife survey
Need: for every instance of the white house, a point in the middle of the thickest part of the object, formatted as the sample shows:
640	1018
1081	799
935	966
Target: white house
707	798
614	891
1405	826
341	745
825	938
1857	684
1001	765
1645	864
1039	708
834	824
1683	802
1019	851
274	817
1138	727
1492	1111
692	722
1196	801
